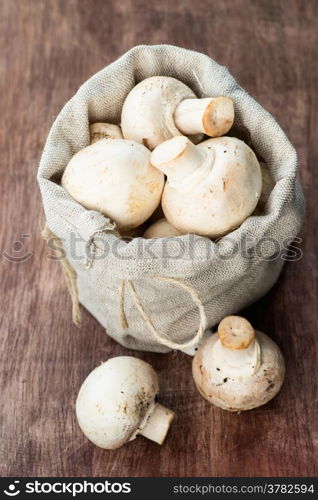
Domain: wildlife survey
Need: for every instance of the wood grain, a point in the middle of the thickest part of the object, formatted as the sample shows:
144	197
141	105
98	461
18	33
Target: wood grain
47	49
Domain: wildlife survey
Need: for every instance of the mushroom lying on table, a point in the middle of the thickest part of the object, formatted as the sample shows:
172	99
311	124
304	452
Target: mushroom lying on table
118	401
115	177
211	188
161	107
238	368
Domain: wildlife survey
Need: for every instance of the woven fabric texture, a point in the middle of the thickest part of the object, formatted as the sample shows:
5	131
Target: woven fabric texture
226	275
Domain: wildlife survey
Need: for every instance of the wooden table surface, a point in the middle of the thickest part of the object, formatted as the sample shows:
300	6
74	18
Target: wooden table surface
47	49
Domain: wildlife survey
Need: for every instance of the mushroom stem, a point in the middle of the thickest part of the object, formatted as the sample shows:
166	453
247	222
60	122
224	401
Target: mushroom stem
211	116
236	333
178	158
157	424
238	362
237	347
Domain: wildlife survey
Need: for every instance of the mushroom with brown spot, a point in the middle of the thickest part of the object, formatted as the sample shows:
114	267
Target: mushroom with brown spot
238	368
118	401
211	188
161	107
101	130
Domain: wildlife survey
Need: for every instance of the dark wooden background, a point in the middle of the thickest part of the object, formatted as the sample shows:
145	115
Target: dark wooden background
47	49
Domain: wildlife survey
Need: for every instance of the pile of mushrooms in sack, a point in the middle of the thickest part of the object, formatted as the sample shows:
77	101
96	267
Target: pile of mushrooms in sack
208	187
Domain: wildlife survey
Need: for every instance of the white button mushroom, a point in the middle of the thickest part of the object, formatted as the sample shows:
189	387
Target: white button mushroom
211	188
100	131
238	368
115	177
161	107
161	229
117	401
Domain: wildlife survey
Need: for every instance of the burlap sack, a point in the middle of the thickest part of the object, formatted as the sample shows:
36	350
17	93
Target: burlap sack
160	296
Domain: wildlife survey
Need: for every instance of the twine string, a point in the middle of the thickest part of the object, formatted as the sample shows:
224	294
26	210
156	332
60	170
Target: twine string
162	339
71	280
91	247
68	271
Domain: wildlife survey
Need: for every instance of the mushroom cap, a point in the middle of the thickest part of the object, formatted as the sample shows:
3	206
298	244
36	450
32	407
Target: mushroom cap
161	229
115	399
147	114
100	130
218	202
115	177
237	393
